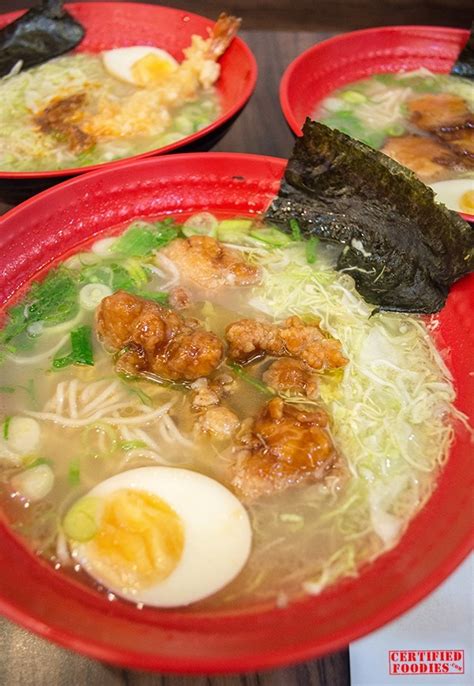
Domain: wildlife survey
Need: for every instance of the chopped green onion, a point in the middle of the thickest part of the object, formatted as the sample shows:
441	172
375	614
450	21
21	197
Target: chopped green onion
295	230
6	427
74	473
80	523
395	130
132	445
36	462
233	230
289	517
245	376
271	236
354	97
81	353
144	397
311	249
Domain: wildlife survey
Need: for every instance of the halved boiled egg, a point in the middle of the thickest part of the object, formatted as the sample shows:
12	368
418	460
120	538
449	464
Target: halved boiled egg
159	535
141	65
457	194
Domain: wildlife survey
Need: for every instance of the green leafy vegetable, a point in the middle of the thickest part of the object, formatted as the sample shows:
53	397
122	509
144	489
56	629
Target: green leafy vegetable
142	239
52	301
160	297
81	353
7	389
464	65
40	34
248	378
402	248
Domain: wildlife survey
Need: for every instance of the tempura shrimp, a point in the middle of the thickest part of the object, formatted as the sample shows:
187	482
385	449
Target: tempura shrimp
149	108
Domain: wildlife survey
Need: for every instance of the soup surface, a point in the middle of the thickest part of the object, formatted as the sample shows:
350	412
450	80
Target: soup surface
327	421
74	112
424	121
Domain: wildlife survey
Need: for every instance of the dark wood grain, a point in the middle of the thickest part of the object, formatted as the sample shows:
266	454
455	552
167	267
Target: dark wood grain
316	15
26	660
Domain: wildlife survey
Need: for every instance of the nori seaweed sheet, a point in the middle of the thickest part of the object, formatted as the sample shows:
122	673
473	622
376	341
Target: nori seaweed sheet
403	249
43	32
464	65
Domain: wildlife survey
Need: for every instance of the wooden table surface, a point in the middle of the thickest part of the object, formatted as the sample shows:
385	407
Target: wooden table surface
26	660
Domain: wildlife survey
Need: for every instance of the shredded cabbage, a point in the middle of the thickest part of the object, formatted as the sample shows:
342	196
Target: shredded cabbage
391	412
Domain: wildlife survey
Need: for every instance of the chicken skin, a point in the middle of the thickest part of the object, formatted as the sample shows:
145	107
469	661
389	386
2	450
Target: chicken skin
204	261
152	338
283	447
250	338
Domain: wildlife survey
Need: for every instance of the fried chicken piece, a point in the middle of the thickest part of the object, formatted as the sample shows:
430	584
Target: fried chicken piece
179	298
205	262
427	157
61	116
284	446
291	376
218	421
156	339
249	338
448	117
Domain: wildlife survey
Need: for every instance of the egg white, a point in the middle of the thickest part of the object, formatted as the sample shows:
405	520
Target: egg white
119	62
217	534
449	192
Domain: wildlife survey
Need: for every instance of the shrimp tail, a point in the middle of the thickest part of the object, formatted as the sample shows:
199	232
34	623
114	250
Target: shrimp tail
222	35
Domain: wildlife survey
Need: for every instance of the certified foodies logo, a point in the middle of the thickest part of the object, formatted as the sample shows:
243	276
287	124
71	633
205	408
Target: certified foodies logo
411	662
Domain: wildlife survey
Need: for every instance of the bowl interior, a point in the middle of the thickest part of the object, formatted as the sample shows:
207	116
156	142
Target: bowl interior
119	24
352	56
54	223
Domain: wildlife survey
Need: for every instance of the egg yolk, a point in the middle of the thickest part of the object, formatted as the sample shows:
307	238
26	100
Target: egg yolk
139	540
466	202
150	69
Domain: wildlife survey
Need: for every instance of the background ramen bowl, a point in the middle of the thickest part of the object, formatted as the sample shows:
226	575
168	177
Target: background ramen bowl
351	56
118	24
45	229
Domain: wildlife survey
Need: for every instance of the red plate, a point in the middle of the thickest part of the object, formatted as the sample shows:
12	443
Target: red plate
117	24
40	231
351	56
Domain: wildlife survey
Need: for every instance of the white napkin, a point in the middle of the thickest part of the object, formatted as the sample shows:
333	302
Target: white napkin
430	645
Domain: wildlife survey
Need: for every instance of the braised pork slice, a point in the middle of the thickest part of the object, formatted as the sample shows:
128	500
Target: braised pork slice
439	111
204	261
283	447
287	375
428	158
250	338
449	118
152	338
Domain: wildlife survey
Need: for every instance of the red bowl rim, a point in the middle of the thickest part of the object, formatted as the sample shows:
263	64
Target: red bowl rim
340	38
271	658
187	140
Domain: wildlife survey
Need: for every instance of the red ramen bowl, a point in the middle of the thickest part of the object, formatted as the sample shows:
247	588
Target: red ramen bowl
351	56
119	24
46	228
